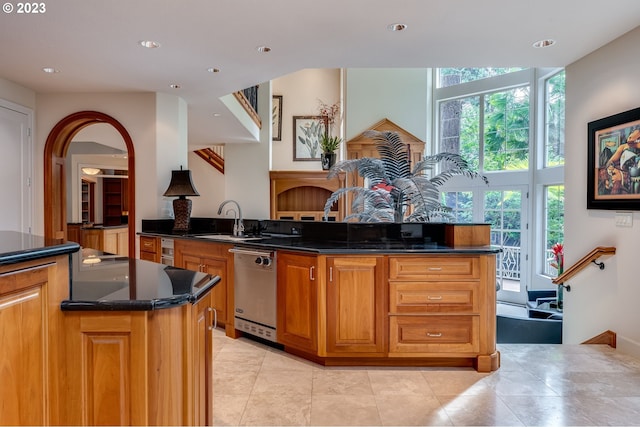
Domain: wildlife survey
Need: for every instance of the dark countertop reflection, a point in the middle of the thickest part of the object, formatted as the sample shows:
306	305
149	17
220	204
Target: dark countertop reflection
19	247
101	281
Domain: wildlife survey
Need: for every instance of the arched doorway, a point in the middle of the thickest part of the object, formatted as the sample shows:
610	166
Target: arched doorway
55	213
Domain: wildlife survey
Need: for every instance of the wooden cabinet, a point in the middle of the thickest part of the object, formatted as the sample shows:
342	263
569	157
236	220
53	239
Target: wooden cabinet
74	233
214	259
140	367
203	322
297	296
114	200
301	196
355	317
116	241
30	293
23	341
443	306
87	193
92	238
150	248
110	240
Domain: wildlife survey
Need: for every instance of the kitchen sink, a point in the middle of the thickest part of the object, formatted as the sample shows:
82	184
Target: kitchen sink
227	237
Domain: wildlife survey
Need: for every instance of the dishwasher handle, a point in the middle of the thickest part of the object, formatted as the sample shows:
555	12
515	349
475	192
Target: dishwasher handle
255	252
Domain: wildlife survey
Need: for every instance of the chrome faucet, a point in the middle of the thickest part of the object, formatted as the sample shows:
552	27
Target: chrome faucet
238	225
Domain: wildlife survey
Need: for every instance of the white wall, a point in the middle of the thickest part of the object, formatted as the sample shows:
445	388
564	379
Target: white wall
601	84
399	95
247	167
17	94
301	92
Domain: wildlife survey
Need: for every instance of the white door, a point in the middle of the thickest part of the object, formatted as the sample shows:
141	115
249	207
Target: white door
15	168
505	209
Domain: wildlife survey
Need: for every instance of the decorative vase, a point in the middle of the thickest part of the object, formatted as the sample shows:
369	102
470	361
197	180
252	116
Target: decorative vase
559	302
328	160
560	291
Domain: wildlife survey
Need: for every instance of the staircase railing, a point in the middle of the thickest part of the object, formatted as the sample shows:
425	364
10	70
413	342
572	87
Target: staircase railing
582	263
214	156
248	98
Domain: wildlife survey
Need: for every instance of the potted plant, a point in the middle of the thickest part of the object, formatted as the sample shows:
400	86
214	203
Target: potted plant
397	192
329	144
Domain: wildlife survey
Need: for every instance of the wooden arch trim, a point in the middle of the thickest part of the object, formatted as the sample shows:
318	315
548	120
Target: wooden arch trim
55	151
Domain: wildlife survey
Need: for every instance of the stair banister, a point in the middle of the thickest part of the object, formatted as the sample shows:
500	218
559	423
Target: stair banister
582	263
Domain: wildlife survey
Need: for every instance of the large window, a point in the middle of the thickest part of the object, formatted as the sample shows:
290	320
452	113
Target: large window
488	116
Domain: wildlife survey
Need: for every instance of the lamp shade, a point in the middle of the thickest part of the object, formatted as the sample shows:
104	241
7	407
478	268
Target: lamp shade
181	184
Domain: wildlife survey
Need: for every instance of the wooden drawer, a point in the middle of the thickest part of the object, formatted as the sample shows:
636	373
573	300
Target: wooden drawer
148	256
434	268
148	244
433	334
429	297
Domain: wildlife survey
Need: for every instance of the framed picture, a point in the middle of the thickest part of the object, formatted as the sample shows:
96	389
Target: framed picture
307	132
276	118
613	168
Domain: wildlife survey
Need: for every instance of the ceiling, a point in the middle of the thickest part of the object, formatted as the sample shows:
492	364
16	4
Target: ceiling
93	44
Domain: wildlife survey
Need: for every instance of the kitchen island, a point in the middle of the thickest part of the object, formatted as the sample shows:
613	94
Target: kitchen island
371	294
93	338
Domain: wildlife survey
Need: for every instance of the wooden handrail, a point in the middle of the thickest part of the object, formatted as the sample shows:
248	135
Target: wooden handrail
582	263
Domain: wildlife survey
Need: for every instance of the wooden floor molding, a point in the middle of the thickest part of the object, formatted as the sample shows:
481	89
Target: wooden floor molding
607	337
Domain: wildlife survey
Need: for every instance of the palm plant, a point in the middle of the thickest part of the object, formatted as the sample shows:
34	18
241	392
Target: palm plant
393	186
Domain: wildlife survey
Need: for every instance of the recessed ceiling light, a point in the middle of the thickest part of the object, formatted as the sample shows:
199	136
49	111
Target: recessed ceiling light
213	70
263	49
396	27
175	86
50	70
149	44
544	43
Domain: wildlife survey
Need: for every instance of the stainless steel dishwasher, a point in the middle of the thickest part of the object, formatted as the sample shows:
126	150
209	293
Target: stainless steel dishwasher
255	284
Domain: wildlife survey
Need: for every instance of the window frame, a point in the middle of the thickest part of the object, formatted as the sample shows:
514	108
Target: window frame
536	177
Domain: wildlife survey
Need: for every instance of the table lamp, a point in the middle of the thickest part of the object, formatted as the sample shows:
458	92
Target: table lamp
181	186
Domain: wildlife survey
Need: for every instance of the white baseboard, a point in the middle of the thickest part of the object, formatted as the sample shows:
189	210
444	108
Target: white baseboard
627	346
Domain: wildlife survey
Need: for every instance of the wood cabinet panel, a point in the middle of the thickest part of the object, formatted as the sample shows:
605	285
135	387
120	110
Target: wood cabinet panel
29	351
433	334
418	297
355	305
23	344
202	354
297	301
116	241
106	369
215	259
301	195
140	368
434	268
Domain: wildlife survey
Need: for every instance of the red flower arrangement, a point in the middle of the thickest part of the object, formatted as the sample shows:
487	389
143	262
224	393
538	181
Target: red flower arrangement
558	255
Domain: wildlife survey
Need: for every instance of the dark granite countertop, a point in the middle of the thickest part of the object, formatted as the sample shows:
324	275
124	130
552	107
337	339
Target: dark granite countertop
108	282
18	247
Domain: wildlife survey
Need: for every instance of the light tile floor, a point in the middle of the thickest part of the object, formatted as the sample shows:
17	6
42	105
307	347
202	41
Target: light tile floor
537	385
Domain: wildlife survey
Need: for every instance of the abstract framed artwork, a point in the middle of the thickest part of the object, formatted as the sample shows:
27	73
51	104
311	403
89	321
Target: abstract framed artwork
307	132
613	168
276	118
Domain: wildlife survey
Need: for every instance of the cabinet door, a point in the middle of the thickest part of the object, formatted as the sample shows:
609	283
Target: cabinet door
93	239
24	350
218	267
355	305
110	242
297	301
202	353
210	258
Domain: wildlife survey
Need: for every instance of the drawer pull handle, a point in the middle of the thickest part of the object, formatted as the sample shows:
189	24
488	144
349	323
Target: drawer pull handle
437	335
435	269
434	298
